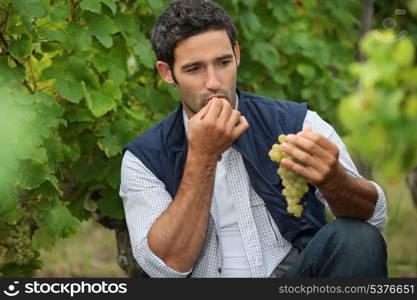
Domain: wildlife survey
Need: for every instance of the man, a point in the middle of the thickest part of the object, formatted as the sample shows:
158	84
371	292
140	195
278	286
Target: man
201	196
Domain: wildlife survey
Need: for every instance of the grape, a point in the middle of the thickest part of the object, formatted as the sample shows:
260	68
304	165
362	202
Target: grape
295	186
19	243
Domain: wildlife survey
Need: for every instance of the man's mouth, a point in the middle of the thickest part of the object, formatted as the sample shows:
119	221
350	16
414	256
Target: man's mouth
213	96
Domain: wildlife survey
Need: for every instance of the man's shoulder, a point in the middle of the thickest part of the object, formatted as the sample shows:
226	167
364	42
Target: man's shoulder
151	137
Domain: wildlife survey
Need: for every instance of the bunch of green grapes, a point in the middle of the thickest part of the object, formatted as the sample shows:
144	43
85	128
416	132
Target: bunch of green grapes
295	186
20	243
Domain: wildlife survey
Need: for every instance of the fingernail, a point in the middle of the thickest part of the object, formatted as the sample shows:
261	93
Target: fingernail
290	137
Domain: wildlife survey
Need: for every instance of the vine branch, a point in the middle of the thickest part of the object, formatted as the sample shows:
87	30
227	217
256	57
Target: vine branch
31	73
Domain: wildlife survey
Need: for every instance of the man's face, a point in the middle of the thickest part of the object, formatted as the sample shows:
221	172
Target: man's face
205	66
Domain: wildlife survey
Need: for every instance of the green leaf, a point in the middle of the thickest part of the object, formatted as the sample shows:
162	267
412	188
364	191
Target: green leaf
55	35
266	54
78	38
59	12
33	175
110	4
55	183
114	61
113	174
30	8
12	270
42	239
9	208
48	114
101	62
85	170
110	204
91	5
136	113
95	5
250	24
59	222
72	69
78	114
155	4
21	48
100	104
102	27
126	23
143	49
308	71
69	89
8	74
114	136
76	205
111	90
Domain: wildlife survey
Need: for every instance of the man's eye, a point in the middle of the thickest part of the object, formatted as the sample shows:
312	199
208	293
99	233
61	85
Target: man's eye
225	62
193	69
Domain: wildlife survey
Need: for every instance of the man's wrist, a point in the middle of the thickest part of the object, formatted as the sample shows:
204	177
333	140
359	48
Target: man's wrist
202	159
336	184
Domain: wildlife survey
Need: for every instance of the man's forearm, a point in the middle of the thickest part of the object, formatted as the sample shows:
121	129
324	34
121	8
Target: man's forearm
177	236
350	197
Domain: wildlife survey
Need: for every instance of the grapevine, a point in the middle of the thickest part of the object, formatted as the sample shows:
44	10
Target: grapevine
295	186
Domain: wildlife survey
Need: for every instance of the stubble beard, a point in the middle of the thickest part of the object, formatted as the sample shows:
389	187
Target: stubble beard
228	95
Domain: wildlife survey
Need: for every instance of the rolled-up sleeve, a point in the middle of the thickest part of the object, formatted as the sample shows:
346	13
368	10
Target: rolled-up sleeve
144	199
318	125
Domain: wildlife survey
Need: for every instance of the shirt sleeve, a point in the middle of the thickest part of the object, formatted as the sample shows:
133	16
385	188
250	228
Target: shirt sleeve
318	125
144	199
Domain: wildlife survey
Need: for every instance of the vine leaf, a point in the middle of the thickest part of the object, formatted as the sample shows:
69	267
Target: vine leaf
8	74
21	48
42	239
59	222
110	204
30	8
102	27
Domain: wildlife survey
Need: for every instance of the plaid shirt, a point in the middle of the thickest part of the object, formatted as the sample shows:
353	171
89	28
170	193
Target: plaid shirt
145	199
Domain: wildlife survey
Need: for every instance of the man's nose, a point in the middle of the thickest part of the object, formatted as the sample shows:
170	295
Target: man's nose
212	80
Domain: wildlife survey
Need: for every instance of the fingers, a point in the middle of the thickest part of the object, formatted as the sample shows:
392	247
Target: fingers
304	157
233	120
307	145
214	109
225	111
312	175
241	127
203	112
219	113
315	157
318	139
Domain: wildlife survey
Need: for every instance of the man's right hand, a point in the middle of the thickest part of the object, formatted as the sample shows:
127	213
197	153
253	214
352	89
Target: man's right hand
214	128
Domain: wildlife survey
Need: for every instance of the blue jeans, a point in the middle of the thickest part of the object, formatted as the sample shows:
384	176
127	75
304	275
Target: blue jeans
343	248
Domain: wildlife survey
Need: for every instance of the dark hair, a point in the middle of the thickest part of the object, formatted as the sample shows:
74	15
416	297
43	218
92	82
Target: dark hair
185	18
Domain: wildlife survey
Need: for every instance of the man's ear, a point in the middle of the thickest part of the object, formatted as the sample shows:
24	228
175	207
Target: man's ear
165	72
236	50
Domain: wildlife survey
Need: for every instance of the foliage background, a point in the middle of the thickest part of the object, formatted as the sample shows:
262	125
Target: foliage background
77	81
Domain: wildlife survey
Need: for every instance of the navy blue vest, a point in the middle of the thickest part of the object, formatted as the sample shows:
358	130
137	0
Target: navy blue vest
163	150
